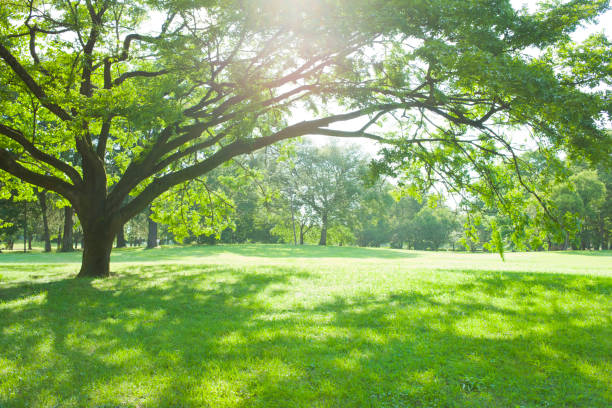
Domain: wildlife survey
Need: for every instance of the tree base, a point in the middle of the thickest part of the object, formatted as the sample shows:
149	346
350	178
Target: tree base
96	255
92	273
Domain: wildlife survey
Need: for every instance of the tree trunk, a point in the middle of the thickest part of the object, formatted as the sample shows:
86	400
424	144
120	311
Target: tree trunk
98	237
121	243
152	235
301	234
602	233
25	224
42	201
293	223
59	237
323	240
30	238
67	236
99	226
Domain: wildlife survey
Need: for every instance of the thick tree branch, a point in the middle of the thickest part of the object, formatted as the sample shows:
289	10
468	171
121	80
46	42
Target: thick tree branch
37	154
341	133
9	164
103	138
128	41
27	79
189	150
139	74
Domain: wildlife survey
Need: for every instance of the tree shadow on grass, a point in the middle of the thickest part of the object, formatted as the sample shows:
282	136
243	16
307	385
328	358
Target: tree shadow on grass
62	338
524	283
193	336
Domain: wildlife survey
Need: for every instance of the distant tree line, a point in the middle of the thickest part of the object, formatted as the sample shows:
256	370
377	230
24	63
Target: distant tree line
328	195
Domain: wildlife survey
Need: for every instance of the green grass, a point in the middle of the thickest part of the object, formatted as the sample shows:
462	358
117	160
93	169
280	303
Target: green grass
277	326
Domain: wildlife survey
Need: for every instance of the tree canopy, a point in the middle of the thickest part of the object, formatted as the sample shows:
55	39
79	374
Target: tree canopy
112	103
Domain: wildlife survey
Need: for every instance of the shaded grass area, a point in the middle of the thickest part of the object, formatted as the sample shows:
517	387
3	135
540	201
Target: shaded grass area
230	328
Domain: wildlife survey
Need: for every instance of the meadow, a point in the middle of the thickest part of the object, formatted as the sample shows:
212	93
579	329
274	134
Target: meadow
283	326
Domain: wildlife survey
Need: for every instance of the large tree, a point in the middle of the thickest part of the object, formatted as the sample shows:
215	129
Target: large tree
164	91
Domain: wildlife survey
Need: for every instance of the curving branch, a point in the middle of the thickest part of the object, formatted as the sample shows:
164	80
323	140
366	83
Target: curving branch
103	137
32	85
357	133
142	74
37	154
9	163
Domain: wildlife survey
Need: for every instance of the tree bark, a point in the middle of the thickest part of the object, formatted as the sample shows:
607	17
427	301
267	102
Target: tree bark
121	243
293	222
42	201
301	234
602	233
100	226
67	236
100	223
323	240
152	235
98	238
77	239
25	224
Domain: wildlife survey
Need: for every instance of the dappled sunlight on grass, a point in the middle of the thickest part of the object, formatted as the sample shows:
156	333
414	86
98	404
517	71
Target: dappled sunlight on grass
320	333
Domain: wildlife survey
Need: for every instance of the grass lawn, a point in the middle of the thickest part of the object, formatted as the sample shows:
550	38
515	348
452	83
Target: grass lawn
277	326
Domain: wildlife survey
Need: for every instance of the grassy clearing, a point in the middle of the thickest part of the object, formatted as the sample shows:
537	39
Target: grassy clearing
276	326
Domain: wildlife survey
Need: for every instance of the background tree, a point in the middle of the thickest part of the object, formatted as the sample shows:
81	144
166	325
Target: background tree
19	214
12	222
121	241
67	232
151	232
605	216
294	221
592	192
580	200
41	196
373	223
432	227
325	183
